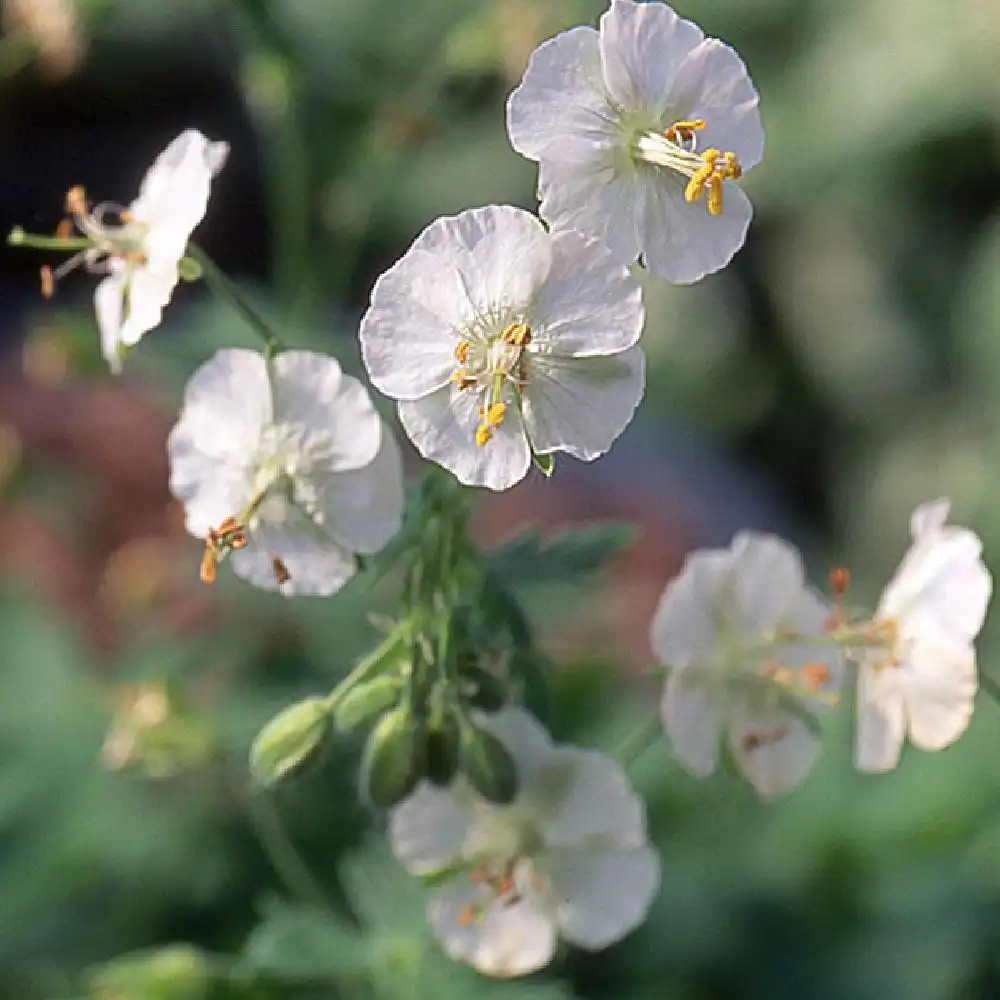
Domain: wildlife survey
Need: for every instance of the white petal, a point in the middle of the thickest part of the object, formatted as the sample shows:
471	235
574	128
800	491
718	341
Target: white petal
560	110
929	517
526	738
108	304
442	426
317	565
713	84
147	292
174	194
684	627
880	719
340	425
683	242
210	488
503	254
938	685
601	201
590	304
642	48
774	748
596	805
505	941
363	508
691	709
602	897
581	405
768	577
410	331
427	830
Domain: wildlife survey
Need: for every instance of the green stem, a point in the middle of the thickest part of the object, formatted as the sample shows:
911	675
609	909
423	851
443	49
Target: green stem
17	237
990	686
282	853
635	745
369	666
225	289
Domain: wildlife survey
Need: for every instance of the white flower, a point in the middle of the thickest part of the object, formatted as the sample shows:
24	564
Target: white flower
734	628
140	250
638	130
284	467
922	682
569	857
500	340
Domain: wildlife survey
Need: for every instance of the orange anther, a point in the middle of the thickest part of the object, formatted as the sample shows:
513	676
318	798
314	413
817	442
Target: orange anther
462	352
816	674
76	200
840	581
64	230
467	915
48	281
208	565
281	573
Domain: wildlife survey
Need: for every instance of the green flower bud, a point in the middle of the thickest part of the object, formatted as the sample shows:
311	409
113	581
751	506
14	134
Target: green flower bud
443	750
488	765
394	758
290	739
483	689
176	972
189	269
362	704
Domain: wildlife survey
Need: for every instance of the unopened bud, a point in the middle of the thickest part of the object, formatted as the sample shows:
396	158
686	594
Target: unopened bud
189	269
443	750
488	765
176	972
394	758
362	704
483	689
289	740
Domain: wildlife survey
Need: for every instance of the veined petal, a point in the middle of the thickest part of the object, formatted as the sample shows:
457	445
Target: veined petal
603	896
692	709
409	333
713	84
362	509
881	719
560	110
773	748
581	405
427	830
642	48
683	242
600	201
590	304
938	686
442	426
317	565
337	416
503	941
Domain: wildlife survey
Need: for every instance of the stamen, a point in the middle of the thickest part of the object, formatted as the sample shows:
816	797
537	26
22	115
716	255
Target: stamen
517	335
468	915
715	194
684	131
816	674
755	741
281	573
76	200
495	414
65	229
48	281
464	380
484	433
209	563
462	352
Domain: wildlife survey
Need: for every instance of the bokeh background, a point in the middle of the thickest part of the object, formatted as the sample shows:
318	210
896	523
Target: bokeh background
843	369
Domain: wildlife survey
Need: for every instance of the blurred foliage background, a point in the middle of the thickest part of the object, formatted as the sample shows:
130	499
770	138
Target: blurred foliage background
842	370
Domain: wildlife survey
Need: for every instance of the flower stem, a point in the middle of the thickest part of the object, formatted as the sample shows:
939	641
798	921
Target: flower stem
282	853
224	288
635	745
990	686
17	237
369	666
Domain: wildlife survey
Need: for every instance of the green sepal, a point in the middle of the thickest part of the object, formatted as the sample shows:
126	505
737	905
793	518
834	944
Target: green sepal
546	464
289	740
362	704
488	765
444	751
394	758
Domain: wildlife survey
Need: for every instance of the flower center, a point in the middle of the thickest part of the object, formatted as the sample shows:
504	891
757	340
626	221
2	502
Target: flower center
504	884
487	365
677	149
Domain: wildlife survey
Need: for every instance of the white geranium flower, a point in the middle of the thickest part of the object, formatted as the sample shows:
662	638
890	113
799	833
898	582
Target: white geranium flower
500	339
569	857
140	250
638	130
285	467
922	681
734	629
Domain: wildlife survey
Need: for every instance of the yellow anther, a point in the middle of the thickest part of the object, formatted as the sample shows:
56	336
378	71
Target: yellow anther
715	193
684	130
463	380
48	281
517	334
495	414
711	156
462	352
483	434
76	200
696	186
734	171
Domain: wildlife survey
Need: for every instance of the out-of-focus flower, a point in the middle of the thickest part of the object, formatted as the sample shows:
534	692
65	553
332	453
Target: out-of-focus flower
140	247
735	628
284	466
569	857
53	28
918	676
500	341
639	130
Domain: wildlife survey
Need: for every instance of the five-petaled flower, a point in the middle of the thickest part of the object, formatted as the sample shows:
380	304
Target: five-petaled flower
285	468
639	130
139	248
568	857
500	340
735	628
917	676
